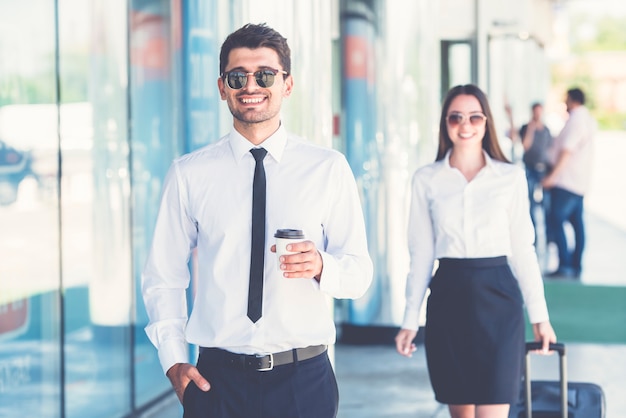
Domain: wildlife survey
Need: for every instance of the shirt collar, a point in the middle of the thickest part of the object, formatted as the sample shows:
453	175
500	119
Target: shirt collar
578	109
275	144
489	162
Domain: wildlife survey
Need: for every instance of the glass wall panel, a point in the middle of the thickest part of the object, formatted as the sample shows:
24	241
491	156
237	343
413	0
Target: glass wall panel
201	69
309	28
518	76
390	110
95	196
156	138
30	314
360	129
409	116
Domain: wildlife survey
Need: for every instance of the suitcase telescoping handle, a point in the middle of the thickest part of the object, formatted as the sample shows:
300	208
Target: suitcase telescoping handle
560	348
537	345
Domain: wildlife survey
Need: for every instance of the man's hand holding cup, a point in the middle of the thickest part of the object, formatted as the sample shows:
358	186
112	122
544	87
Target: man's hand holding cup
297	257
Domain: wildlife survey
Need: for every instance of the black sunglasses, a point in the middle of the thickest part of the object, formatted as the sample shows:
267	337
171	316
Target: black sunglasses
238	79
475	119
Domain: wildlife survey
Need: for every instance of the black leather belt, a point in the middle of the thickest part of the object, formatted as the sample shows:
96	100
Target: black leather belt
263	362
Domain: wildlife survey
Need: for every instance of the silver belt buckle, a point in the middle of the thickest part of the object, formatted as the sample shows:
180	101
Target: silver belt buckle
271	366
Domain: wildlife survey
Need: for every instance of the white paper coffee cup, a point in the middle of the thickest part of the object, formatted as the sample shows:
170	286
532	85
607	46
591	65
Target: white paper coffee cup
285	237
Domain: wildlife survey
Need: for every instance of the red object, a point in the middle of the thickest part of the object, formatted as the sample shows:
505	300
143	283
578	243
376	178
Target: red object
357	57
336	125
13	316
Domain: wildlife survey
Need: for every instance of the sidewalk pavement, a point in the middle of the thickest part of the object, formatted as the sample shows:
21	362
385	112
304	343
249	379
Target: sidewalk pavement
375	381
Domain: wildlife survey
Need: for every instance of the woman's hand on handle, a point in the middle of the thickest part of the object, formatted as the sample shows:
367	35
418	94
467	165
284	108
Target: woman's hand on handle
545	334
404	342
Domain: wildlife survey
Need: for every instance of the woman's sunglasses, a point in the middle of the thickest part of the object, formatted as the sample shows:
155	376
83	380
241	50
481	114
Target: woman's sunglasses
475	119
237	80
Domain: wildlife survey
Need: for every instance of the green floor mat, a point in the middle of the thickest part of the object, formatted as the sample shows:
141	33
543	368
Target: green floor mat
583	313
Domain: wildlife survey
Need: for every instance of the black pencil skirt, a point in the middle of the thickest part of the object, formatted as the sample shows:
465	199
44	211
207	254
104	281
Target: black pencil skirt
474	336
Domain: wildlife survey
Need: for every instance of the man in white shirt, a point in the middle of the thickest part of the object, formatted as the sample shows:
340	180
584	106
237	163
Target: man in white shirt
265	358
568	182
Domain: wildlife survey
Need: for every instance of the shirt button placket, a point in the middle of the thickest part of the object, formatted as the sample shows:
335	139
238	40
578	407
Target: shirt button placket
467	220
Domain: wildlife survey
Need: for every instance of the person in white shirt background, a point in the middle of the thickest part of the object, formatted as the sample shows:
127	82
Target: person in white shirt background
276	365
470	213
569	181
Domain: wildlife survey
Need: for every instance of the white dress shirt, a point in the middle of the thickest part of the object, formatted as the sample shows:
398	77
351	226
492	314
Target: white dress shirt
577	138
486	217
207	205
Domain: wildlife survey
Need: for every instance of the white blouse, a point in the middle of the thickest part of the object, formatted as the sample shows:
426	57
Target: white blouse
486	217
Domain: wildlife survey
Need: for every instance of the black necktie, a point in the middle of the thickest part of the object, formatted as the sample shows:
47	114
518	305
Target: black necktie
257	254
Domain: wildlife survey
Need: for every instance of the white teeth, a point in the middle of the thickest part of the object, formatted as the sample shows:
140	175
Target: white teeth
257	100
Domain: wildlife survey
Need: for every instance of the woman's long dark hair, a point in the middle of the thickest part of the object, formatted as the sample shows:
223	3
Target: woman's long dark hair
490	140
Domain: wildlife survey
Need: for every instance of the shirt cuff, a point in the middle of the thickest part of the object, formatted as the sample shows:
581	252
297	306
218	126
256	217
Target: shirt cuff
329	270
411	319
537	312
172	352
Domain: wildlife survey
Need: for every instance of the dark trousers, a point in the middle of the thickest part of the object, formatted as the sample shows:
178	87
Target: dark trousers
303	389
539	201
568	207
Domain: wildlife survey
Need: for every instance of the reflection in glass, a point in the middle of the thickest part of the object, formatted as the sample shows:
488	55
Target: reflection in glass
95	197
156	141
30	374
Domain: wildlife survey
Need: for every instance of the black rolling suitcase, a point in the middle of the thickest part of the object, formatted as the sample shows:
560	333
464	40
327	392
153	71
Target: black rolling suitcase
546	399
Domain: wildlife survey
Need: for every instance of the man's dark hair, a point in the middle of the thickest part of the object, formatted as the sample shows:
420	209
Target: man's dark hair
256	36
536	105
575	94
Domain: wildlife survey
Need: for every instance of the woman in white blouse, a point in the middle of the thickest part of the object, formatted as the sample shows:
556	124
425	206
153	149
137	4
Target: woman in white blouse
470	213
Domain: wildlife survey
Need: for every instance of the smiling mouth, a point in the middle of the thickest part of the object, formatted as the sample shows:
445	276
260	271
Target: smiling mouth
253	100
